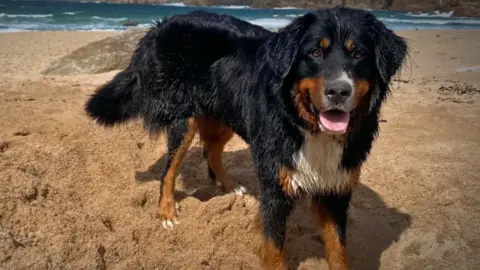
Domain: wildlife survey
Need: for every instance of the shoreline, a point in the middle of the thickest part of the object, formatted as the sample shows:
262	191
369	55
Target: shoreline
136	28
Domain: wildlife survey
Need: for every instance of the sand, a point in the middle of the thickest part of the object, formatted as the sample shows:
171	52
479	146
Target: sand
76	196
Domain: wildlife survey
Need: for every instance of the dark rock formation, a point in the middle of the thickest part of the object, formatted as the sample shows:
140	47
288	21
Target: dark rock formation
467	8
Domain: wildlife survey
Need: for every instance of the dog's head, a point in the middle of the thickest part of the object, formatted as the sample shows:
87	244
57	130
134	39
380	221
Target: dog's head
335	66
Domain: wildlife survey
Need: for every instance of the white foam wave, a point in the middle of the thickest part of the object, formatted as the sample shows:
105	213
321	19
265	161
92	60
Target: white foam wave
271	23
6	28
109	19
144	25
179	4
3	15
432	14
285	8
71	13
292	15
232	7
434	22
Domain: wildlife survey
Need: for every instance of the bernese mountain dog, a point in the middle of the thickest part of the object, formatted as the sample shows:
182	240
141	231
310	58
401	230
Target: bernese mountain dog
306	99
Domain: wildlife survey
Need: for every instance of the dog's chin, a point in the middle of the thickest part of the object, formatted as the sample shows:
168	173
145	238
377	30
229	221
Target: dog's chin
334	121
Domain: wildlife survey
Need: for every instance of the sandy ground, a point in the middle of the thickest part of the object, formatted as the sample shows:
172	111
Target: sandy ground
76	196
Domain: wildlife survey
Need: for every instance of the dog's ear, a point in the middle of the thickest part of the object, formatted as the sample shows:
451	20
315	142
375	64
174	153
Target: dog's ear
390	51
282	48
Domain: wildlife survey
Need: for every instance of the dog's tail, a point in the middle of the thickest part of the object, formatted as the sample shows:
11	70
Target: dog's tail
115	102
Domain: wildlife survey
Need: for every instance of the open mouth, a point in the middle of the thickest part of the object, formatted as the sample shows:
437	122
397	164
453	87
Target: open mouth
335	120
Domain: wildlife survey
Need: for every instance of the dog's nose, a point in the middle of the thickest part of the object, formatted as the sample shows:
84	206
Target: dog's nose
338	92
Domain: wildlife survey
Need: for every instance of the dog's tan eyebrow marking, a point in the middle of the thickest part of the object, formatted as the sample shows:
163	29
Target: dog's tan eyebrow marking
349	45
325	43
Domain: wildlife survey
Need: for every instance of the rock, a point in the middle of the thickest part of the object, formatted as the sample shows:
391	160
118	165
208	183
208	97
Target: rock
467	11
112	53
4	146
129	23
21	132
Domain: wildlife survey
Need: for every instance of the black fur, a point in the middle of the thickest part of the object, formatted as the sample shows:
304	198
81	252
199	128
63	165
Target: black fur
245	76
337	207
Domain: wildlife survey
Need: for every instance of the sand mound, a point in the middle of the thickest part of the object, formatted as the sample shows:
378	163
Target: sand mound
77	196
111	53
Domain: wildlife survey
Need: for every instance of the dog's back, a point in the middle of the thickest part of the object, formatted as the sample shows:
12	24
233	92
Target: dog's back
173	57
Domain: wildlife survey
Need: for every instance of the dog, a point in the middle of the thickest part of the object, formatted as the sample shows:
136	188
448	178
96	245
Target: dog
306	99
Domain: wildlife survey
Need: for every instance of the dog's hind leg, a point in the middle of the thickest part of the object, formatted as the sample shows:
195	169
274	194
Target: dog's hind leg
215	136
180	136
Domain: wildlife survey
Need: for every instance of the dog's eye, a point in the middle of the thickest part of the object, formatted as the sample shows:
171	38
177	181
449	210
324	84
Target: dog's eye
316	53
357	55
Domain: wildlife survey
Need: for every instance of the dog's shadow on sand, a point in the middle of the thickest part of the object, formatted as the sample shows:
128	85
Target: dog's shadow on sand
373	226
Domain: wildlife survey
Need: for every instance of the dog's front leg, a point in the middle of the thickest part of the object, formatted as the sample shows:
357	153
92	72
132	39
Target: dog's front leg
275	206
330	212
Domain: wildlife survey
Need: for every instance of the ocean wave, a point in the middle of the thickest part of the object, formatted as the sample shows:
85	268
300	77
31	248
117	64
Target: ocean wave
144	25
71	13
109	19
179	4
271	23
293	15
232	7
433	22
285	8
5	15
57	27
431	14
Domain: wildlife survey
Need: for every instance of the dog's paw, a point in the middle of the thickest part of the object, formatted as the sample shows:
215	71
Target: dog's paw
240	190
169	223
229	186
167	213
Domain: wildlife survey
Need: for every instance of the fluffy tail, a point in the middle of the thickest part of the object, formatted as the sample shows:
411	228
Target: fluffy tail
114	102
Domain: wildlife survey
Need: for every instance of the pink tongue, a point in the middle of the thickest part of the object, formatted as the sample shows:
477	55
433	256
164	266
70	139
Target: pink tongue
335	120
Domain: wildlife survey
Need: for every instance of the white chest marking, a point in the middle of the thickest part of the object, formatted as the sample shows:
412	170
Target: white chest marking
317	165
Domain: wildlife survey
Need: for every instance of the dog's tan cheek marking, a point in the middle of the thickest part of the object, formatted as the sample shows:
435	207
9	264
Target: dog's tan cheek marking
362	87
361	103
313	88
325	43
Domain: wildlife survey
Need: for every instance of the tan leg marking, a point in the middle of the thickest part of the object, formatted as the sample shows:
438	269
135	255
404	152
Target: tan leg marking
335	252
166	207
271	257
215	136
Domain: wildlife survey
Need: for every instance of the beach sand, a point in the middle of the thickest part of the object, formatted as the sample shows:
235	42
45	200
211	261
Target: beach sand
77	196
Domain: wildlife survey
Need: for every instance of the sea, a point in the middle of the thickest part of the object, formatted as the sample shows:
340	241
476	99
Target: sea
33	15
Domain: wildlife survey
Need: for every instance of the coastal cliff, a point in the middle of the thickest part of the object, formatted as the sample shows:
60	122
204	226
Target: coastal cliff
462	8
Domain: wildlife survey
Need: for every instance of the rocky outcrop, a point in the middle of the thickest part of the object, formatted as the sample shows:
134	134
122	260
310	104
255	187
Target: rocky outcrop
112	53
467	8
